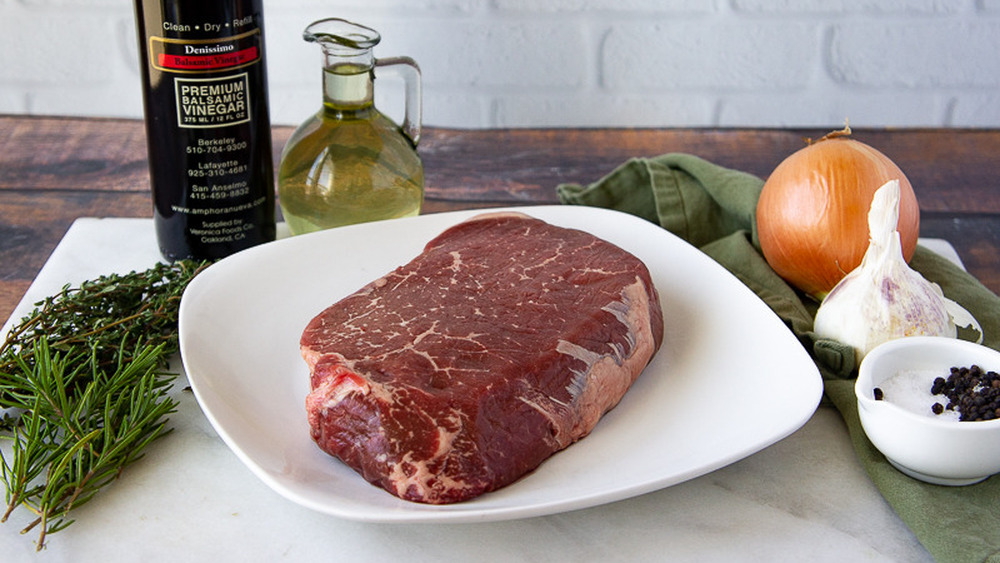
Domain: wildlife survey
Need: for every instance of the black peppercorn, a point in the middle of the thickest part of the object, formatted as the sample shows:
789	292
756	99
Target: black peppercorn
972	392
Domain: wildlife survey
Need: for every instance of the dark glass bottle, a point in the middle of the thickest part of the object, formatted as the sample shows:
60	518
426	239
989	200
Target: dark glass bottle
208	128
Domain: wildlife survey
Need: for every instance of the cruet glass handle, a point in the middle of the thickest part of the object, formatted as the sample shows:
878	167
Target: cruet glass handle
407	68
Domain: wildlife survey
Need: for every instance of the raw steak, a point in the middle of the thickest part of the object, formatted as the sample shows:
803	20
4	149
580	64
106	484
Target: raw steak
505	341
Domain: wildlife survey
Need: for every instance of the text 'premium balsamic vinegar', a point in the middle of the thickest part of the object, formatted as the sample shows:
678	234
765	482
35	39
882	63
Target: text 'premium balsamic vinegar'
207	125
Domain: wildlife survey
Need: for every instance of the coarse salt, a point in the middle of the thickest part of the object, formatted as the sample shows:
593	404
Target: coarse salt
911	390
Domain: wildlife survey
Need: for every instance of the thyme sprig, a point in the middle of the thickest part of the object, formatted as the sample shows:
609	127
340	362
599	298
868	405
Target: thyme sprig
84	382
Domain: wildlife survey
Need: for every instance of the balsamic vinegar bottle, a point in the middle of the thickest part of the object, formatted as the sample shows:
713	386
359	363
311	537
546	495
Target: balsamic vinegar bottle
208	129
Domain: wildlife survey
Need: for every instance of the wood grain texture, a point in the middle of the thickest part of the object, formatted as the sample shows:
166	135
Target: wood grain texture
54	170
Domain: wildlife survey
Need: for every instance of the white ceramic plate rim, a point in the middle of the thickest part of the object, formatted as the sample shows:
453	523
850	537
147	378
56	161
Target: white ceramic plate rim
729	380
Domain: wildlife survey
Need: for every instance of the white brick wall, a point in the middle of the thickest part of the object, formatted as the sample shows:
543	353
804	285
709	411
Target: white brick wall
516	63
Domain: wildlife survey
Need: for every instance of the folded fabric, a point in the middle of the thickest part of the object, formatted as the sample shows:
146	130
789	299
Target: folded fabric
714	208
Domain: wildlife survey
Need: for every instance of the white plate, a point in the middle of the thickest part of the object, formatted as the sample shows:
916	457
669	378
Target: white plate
729	380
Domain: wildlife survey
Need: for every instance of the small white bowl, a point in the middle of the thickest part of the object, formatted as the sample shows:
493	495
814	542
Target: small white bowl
935	450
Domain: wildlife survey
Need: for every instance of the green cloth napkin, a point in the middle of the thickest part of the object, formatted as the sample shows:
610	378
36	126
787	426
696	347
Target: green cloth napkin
714	209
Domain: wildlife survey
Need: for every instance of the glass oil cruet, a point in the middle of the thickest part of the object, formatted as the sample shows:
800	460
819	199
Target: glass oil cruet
349	163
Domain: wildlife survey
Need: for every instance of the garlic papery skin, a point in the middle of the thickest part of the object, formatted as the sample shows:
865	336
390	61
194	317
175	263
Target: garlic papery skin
883	298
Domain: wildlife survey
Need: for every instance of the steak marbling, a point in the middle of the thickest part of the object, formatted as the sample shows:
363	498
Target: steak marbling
502	343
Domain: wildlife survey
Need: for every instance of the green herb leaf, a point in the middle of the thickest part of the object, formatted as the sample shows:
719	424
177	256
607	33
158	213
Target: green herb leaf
84	385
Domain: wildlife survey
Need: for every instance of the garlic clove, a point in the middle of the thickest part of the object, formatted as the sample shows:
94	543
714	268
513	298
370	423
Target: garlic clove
883	298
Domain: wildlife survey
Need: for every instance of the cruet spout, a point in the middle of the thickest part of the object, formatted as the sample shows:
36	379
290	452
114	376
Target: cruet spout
343	42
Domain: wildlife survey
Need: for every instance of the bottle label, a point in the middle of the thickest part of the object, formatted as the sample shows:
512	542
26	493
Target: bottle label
204	55
208	102
212	102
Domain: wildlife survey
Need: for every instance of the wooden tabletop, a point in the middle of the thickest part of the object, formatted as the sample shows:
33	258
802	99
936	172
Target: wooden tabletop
54	170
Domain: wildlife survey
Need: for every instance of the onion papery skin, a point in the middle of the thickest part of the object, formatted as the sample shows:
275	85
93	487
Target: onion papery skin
812	212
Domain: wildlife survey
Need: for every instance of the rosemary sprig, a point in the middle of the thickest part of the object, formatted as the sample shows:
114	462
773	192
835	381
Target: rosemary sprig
84	383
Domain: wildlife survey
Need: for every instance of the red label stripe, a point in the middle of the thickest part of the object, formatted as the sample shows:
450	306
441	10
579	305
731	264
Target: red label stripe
208	62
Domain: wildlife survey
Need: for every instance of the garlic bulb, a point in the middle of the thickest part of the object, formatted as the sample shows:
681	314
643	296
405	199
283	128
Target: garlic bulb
883	298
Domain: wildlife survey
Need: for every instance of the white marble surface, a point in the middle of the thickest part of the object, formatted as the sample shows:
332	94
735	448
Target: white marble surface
805	498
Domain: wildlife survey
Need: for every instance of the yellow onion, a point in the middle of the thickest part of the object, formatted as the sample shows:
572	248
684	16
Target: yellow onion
812	213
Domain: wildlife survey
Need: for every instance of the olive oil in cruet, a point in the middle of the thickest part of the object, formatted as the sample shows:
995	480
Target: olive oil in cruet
349	163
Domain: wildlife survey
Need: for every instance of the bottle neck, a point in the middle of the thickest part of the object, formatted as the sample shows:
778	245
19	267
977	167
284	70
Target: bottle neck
348	87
